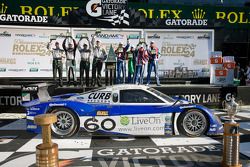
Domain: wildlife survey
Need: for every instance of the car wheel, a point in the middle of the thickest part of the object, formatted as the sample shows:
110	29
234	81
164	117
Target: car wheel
67	123
192	123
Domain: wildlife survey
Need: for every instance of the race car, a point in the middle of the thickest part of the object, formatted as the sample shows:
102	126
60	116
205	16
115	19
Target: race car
122	110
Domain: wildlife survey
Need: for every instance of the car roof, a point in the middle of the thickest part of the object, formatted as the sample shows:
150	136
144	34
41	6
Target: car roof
126	87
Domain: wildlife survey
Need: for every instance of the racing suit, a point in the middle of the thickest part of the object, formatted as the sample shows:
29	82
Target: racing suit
121	63
131	56
84	64
57	65
70	62
141	60
153	54
100	56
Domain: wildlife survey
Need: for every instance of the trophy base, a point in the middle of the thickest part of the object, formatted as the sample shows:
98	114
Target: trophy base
47	156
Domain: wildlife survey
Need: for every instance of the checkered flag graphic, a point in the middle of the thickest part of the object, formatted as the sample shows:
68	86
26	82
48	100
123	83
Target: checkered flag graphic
122	18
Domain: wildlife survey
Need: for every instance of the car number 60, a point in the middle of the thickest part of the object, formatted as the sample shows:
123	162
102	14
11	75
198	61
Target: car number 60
92	124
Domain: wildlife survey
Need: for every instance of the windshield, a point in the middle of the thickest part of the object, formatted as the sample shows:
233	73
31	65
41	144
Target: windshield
158	93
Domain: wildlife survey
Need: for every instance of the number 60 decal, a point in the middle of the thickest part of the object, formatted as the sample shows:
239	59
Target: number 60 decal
92	124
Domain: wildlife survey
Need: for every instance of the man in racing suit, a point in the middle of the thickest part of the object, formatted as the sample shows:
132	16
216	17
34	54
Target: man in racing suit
131	57
141	60
57	64
121	62
85	53
100	55
153	55
70	52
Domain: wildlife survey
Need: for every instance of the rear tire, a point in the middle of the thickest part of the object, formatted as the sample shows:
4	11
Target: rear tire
67	123
192	123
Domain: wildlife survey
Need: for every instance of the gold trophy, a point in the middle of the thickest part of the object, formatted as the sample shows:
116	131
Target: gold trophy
231	137
142	40
84	35
98	31
47	152
53	37
68	34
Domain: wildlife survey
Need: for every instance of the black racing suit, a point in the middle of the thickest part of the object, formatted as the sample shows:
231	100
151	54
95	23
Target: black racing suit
84	65
57	65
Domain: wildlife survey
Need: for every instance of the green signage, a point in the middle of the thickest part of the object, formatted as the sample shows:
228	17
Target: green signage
155	15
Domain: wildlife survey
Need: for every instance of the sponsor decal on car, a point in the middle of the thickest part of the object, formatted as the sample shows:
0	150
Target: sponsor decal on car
99	97
94	124
102	113
55	104
31	126
140	124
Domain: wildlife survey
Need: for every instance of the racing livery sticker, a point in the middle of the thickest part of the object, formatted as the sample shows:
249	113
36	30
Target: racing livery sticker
141	124
96	97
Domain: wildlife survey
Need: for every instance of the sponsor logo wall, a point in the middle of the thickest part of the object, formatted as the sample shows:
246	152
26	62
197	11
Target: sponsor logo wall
183	53
26	54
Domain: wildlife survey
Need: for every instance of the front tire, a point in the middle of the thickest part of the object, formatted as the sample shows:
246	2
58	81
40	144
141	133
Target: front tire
192	123
67	123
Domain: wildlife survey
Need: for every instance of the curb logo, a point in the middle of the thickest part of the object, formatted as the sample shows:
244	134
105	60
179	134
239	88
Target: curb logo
198	13
3	9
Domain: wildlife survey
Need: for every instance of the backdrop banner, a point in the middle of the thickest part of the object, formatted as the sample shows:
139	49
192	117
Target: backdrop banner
184	53
25	49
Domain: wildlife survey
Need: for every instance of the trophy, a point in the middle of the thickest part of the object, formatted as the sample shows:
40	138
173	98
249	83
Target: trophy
83	35
232	109
231	137
47	152
52	37
78	36
142	40
68	34
98	31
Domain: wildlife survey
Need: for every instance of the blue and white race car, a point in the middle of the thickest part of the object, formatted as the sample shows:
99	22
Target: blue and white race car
123	110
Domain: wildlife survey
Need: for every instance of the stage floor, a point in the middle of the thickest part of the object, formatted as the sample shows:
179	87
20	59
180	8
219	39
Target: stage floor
18	147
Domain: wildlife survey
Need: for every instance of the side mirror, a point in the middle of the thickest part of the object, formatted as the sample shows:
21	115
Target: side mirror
115	97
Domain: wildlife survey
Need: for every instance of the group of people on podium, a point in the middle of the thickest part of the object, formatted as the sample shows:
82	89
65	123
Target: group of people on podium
127	57
137	58
70	47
